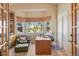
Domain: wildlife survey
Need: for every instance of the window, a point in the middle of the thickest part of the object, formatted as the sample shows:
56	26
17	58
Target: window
34	27
30	27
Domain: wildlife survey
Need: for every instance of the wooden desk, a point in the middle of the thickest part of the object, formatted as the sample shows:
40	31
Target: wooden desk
43	46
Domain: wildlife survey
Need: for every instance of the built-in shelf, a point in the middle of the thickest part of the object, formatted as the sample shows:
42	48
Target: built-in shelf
12	23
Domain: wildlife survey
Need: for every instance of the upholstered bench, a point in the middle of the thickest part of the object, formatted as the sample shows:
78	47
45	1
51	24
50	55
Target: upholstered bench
21	47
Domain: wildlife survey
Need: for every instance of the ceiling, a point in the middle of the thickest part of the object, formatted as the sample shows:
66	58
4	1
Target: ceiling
31	7
32	10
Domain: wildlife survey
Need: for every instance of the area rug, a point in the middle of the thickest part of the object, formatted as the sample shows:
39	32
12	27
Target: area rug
56	47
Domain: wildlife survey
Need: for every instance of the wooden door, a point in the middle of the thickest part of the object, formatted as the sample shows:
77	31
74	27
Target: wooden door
4	8
74	29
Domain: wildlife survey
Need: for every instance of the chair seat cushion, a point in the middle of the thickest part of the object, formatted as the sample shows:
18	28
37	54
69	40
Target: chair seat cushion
22	45
21	48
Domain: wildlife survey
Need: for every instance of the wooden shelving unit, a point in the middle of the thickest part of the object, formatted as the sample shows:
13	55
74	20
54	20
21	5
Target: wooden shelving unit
12	23
4	17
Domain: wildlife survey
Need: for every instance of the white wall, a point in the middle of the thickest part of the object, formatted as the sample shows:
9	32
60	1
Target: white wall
64	14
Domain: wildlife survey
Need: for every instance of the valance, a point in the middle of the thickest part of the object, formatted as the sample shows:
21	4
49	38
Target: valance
33	19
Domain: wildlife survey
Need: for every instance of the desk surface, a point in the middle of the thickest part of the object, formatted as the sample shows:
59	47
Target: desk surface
43	38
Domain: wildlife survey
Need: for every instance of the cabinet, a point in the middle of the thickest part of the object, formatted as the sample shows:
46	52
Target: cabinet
43	46
12	23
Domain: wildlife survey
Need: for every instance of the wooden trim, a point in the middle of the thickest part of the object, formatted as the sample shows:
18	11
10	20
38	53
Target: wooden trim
8	27
2	30
72	24
74	11
75	29
32	19
7	37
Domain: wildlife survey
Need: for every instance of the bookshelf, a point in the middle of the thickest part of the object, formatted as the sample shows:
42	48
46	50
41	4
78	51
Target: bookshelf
12	23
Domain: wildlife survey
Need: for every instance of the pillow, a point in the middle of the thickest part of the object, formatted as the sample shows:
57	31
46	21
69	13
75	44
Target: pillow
22	38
